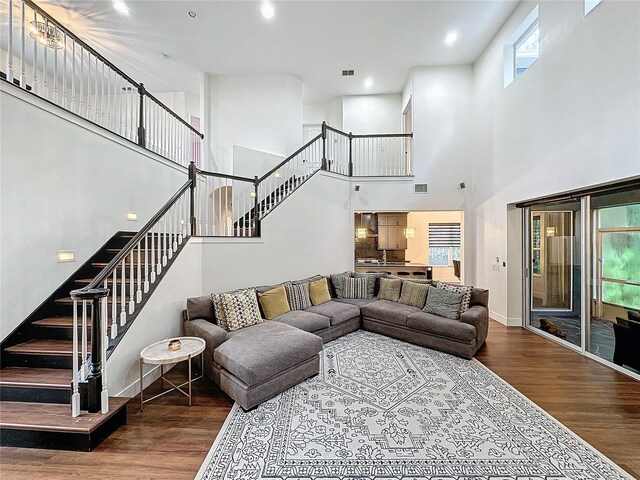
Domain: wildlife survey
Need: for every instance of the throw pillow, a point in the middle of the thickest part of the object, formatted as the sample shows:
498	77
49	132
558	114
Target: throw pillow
274	302
201	307
414	294
298	296
219	310
372	282
443	303
465	290
355	288
390	289
319	291
337	279
240	309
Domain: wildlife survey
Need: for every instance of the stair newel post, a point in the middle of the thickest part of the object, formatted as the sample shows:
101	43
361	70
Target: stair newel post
98	352
192	206
141	132
256	215
324	145
351	154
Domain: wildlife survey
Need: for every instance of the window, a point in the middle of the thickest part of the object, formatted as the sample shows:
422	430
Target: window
590	5
522	48
444	244
526	50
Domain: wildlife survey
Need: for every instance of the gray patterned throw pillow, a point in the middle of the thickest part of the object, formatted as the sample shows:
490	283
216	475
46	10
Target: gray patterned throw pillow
298	296
443	303
240	309
372	282
337	280
463	289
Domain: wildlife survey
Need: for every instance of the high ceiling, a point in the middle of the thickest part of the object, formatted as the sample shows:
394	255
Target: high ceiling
159	44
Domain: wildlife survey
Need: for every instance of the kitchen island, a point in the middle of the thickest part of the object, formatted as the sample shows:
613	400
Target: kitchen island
395	267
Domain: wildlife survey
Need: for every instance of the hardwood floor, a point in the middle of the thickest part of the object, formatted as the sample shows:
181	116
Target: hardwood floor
170	440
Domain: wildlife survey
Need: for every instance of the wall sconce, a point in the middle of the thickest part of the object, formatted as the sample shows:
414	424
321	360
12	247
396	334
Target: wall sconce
277	173
361	233
409	233
253	194
551	231
66	256
132	216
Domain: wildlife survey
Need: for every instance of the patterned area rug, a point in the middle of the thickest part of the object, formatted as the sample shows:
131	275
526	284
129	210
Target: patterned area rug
384	409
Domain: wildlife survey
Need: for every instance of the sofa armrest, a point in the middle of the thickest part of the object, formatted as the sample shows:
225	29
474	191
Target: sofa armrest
478	316
212	334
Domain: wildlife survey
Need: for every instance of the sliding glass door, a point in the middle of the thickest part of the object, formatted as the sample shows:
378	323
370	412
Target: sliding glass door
582	274
614	320
554	298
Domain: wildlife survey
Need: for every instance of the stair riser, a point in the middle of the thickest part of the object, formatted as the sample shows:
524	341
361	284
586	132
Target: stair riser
10	393
37	361
57	333
82	442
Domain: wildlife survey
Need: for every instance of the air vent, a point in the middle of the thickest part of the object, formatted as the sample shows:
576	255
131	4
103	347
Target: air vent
347	73
420	188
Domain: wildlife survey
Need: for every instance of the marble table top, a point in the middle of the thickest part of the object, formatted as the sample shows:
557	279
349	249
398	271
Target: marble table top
159	354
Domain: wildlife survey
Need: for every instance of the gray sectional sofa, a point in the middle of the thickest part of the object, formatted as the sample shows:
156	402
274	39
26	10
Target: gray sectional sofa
255	363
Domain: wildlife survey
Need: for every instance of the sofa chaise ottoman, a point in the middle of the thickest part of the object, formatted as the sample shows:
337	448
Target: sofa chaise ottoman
258	362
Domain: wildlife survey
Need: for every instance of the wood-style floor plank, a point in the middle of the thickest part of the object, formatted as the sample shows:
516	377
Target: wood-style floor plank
170	440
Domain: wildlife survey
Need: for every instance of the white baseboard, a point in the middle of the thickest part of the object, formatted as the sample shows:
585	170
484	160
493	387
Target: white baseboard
509	322
148	378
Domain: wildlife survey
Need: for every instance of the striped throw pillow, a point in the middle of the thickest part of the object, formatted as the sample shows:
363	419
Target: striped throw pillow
298	295
414	294
355	288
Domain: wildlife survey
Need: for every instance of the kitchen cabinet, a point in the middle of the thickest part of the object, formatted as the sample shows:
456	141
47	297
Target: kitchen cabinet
391	231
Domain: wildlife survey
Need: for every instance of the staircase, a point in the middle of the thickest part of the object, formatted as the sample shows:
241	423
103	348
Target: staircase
36	374
37	359
270	201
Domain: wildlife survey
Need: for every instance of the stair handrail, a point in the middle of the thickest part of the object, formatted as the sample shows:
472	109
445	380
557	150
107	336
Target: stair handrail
148	122
289	158
131	244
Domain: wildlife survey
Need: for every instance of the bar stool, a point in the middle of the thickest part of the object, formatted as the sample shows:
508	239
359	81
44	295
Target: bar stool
388	273
371	271
404	274
419	274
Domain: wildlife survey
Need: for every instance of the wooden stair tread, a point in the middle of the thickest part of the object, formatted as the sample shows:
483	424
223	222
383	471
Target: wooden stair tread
35	377
87	281
43	347
54	417
60	322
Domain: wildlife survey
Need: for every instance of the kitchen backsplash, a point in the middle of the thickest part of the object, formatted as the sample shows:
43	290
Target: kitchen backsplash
368	248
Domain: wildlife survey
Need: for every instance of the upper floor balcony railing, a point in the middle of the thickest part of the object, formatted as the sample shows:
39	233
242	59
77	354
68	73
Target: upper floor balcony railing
43	57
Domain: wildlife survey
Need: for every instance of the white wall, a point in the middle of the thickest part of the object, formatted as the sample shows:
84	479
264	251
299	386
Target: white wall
315	113
66	185
248	162
262	112
571	120
184	104
364	114
160	318
307	234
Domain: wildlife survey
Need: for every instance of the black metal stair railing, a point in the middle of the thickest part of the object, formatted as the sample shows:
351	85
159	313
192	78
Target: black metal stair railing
46	59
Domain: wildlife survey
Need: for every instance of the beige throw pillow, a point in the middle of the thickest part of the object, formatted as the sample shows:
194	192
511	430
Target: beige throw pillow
414	294
389	289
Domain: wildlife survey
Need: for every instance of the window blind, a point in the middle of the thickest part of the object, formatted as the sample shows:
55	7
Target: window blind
444	235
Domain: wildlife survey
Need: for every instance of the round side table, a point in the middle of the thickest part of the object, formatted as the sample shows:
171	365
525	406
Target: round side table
159	354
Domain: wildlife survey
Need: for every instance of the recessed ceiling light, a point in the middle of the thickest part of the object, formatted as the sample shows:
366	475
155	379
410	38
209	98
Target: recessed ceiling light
451	37
368	82
268	10
192	14
121	7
